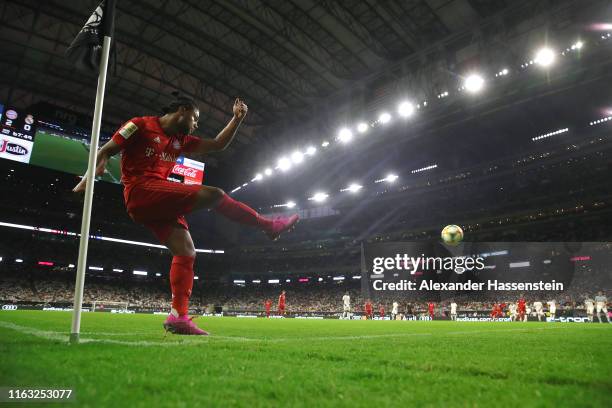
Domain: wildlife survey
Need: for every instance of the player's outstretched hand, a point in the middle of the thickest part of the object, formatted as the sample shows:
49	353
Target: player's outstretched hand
240	108
80	188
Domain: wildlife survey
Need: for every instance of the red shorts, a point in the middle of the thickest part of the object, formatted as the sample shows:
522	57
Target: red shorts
160	205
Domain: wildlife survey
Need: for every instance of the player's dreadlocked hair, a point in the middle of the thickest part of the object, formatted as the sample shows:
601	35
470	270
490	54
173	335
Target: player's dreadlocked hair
178	102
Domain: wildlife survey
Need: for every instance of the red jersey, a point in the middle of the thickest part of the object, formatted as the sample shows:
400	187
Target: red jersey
431	308
368	308
281	300
268	304
148	152
521	304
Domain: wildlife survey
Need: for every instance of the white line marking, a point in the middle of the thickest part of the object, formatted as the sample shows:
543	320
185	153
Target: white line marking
196	340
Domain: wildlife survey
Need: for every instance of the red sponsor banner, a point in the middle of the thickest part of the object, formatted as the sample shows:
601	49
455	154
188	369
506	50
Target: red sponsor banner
188	171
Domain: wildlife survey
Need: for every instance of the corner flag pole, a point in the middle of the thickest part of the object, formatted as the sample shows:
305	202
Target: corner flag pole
89	190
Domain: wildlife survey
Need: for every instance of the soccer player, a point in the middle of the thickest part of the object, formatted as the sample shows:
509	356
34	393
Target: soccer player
538	310
381	311
150	146
368	309
522	310
268	306
601	304
512	310
552	308
394	310
431	307
453	311
346	306
281	304
590	307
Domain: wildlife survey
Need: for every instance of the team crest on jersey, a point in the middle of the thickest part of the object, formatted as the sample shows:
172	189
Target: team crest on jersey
128	130
157	139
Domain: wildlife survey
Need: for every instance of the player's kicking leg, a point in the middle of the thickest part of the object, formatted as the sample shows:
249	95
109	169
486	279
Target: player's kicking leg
181	281
216	199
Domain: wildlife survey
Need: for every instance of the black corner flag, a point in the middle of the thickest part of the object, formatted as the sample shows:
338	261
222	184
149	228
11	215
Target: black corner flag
86	49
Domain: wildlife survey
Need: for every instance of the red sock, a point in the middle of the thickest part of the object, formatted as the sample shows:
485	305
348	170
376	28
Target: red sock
241	213
181	282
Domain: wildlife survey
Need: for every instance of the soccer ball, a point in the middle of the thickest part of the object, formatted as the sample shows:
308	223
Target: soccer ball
452	235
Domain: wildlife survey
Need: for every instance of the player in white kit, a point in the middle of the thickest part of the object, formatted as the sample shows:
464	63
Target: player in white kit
538	310
512	309
394	310
590	307
552	308
601	305
346	306
453	311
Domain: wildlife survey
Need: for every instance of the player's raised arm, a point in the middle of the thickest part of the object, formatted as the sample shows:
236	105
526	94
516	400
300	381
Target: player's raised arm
111	148
225	137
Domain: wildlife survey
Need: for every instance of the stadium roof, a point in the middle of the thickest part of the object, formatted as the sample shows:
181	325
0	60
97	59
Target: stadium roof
300	65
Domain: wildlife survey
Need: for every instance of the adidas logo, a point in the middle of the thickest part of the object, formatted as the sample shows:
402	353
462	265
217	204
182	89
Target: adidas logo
157	139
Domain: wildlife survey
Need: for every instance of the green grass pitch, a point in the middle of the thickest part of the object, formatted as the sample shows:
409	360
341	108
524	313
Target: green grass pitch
125	361
67	155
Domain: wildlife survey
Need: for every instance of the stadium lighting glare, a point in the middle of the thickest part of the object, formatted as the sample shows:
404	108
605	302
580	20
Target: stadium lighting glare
236	189
602	120
577	45
319	197
117	270
325	143
405	109
288	280
239	281
258	177
519	264
338	278
391	178
19	260
345	135
547	261
545	57
474	83
320	279
362	127
356	277
284	164
311	150
268	171
71	265
0	259
549	134
143	273
196	277
157	274
256	281
96	268
273	281
290	204
432	166
353	188
297	157
384	118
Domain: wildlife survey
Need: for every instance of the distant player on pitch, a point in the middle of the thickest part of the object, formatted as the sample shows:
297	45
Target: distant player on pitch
268	306
346	306
281	304
601	305
394	310
552	308
589	303
431	308
453	310
538	310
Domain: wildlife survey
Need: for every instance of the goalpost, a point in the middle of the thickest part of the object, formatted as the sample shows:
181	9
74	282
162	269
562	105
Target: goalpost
108	304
